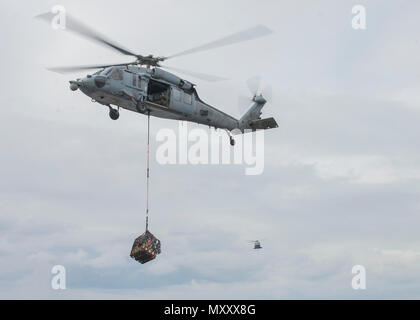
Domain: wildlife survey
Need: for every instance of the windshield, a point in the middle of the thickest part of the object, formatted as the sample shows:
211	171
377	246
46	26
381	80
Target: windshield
116	74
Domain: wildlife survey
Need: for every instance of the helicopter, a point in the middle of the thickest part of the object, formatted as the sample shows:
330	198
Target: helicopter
143	86
257	244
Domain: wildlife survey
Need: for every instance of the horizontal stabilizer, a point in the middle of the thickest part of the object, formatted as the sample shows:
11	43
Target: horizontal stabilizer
263	124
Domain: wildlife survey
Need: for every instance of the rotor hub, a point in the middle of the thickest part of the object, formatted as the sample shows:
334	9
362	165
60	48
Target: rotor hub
259	99
149	60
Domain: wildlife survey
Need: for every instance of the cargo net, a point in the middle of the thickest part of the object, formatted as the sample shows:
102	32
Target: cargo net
145	248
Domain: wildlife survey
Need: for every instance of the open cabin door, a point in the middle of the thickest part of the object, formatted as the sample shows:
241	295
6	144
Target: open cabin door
159	93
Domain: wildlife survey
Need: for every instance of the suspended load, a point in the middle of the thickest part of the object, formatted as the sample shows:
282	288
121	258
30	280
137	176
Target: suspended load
145	248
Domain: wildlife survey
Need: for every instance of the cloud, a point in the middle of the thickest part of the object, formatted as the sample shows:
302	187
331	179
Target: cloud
340	185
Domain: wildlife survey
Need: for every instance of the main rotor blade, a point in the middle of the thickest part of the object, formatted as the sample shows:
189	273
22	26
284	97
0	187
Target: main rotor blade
252	33
198	75
71	24
72	69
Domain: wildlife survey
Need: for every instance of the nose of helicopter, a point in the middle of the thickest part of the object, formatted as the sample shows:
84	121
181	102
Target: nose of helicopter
74	85
82	83
88	83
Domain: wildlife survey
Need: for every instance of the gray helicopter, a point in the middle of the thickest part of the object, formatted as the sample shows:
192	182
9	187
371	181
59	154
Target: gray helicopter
142	85
257	244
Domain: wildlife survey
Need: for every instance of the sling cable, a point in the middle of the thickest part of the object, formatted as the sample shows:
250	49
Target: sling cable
146	247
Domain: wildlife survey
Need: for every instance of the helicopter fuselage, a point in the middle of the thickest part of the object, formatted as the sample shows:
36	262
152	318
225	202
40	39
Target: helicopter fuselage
154	91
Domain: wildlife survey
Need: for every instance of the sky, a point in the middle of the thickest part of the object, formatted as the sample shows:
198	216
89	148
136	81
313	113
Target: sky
341	180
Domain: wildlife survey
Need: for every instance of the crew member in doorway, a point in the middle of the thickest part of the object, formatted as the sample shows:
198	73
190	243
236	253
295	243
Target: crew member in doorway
162	99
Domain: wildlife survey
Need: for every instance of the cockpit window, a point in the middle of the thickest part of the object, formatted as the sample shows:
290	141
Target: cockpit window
117	74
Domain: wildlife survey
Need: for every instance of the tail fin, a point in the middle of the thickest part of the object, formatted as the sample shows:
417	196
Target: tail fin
263	124
252	118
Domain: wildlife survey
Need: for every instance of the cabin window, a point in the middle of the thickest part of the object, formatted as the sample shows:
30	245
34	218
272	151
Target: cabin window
134	80
139	82
187	98
117	74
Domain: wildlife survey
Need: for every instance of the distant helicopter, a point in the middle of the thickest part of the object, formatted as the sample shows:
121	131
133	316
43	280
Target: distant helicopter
257	244
159	93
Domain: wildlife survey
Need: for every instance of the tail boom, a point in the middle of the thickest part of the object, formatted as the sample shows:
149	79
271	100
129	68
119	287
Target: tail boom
252	118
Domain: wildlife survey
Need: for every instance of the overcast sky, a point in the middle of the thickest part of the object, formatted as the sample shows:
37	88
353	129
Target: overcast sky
341	181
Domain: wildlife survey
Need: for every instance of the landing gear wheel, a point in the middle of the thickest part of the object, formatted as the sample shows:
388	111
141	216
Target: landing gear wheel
114	114
232	141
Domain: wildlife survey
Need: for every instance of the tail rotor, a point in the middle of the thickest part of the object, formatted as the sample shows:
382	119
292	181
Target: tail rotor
251	110
258	95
